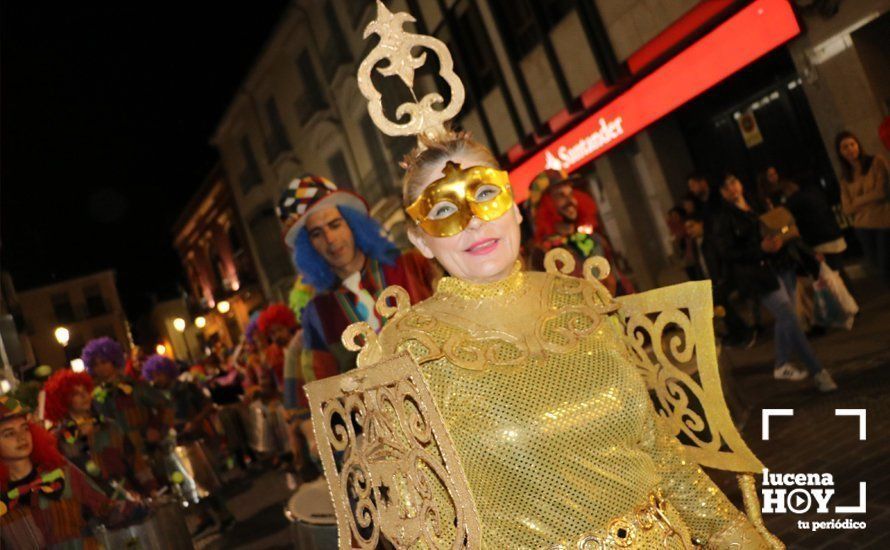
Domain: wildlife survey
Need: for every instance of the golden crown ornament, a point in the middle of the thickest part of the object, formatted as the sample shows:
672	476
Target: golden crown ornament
396	46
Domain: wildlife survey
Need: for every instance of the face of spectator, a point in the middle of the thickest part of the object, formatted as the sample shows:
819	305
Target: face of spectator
15	439
483	251
104	370
162	380
332	238
564	200
772	176
849	149
689	206
732	189
699	188
80	400
673	218
695	229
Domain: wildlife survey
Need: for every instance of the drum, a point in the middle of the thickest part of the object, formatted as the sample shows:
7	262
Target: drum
313	525
189	468
267	434
164	528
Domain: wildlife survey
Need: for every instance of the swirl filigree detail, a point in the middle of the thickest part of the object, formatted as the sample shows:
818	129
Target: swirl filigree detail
559	260
392	470
369	348
395	49
400	298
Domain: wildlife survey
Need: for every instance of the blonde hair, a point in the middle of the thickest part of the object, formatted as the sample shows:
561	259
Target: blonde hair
432	155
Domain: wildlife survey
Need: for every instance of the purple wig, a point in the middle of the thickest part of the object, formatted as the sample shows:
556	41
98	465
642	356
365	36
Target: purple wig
252	326
157	364
100	349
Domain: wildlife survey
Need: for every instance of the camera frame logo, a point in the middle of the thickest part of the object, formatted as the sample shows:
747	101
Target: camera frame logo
802	493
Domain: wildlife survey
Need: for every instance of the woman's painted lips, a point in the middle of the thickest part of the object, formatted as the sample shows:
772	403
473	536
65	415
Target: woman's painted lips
480	248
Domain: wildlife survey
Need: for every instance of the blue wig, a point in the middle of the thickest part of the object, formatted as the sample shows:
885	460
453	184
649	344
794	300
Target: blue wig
369	238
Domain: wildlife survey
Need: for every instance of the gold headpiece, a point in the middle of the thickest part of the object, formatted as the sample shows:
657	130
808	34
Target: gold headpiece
395	46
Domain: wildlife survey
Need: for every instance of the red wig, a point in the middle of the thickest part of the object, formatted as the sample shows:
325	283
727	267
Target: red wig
58	391
546	216
45	455
277	314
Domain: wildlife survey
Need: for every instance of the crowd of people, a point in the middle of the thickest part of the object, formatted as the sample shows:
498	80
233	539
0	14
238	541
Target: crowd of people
108	441
755	242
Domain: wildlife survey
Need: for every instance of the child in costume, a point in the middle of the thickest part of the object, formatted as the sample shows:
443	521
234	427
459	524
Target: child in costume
94	444
140	411
44	499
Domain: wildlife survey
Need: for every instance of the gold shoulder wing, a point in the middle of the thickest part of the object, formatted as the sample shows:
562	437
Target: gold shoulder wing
669	335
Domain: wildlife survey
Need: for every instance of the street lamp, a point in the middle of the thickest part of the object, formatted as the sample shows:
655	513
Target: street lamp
200	322
161	349
62	336
77	365
223	306
179	324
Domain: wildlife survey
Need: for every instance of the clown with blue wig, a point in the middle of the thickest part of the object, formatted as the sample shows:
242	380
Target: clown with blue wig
342	252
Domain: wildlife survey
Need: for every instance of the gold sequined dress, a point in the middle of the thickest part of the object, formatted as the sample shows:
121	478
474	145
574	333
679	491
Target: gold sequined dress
554	429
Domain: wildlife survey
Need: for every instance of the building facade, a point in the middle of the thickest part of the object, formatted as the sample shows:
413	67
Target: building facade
174	324
16	352
537	70
88	307
223	284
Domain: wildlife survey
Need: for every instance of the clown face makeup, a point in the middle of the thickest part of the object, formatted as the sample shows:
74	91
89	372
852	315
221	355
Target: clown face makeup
447	205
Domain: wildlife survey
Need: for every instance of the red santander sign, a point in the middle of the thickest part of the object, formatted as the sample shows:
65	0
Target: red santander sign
745	37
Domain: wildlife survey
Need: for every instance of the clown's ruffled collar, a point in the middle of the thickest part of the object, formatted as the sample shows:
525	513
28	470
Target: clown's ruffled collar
122	385
48	484
71	427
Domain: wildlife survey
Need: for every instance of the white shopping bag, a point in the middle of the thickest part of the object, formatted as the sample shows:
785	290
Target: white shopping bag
831	281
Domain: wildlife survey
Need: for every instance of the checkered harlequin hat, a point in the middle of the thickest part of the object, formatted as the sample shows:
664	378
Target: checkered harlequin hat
10	407
307	194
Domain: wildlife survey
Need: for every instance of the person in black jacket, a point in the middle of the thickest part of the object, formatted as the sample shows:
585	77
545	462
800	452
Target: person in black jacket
746	256
706	264
816	223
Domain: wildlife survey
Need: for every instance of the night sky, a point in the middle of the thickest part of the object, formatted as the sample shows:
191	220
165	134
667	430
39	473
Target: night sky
107	113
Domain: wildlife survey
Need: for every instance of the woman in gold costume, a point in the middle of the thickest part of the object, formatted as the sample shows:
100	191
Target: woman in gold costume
504	411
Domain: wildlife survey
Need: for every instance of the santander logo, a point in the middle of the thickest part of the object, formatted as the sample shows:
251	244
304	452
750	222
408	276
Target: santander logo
570	155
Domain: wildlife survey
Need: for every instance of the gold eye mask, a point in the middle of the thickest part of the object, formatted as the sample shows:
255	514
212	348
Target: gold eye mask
447	205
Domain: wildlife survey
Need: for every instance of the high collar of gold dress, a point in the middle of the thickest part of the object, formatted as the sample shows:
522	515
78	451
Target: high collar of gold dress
512	284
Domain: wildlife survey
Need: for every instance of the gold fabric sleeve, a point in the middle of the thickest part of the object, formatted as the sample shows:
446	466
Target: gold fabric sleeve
710	516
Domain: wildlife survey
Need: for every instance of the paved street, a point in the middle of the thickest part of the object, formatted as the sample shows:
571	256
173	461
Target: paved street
258	504
814	440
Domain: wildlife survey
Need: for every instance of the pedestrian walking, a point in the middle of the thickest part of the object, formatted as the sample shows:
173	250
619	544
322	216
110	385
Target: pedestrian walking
737	233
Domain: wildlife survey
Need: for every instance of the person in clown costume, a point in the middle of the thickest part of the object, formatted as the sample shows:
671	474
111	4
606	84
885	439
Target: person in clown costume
341	251
46	501
139	410
94	444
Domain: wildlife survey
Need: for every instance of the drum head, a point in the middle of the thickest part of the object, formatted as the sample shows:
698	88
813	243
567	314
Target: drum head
312	504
